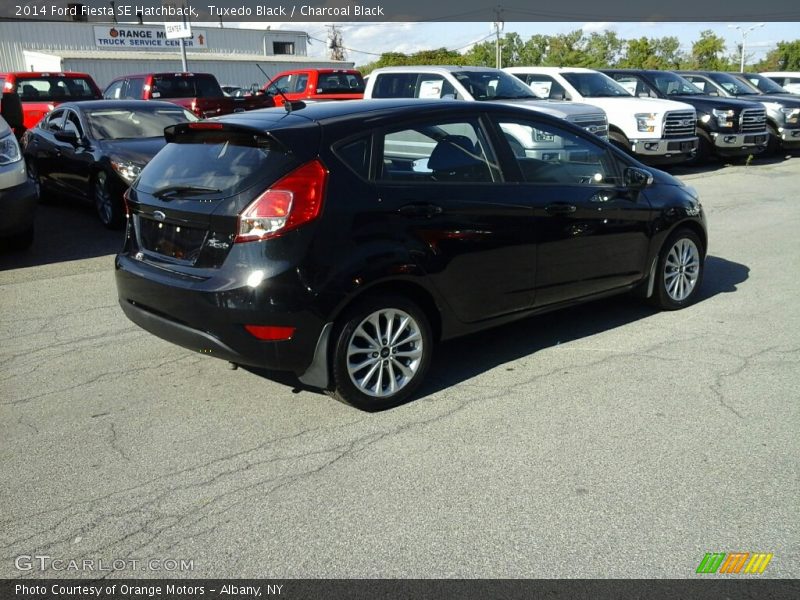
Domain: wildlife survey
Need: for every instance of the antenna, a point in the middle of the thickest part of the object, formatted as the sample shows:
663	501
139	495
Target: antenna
288	105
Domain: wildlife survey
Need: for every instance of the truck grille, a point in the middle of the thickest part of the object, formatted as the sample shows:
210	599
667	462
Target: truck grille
679	124
594	123
752	120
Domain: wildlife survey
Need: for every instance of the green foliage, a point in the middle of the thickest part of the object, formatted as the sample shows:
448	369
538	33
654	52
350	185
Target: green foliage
708	52
598	50
785	57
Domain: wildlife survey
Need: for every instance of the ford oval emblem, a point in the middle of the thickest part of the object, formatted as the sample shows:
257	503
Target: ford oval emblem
159	216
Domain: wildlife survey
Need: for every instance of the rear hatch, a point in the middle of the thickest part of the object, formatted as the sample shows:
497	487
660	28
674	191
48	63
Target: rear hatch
185	207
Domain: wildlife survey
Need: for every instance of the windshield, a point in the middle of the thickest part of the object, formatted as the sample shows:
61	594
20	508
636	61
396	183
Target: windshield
734	85
126	123
764	84
493	85
675	85
50	88
595	85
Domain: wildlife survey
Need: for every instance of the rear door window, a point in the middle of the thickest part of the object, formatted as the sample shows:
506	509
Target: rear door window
442	152
395	85
134	89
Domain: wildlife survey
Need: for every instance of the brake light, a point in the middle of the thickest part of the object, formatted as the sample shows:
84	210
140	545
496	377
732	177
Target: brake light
205	125
270	332
294	200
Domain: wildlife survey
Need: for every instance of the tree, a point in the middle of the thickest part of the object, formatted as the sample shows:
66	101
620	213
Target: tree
785	57
708	52
601	50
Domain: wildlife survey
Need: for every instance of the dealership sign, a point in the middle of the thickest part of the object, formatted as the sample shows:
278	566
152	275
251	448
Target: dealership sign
124	37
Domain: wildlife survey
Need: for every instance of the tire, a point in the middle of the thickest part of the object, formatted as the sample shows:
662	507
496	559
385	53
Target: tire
620	141
33	176
705	149
107	198
365	366
773	141
679	272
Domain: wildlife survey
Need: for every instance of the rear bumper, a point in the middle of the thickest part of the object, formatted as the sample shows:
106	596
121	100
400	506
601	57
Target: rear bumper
210	319
17	208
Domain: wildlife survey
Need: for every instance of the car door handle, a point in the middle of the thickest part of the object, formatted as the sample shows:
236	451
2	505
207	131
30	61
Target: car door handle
420	210
560	208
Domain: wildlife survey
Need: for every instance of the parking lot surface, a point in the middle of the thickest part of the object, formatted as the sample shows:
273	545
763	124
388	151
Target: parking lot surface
603	441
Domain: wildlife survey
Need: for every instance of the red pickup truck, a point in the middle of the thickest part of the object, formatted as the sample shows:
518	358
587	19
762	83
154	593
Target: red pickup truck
41	92
197	92
316	84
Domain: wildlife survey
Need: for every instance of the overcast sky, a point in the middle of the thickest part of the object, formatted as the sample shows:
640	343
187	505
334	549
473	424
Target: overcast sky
364	38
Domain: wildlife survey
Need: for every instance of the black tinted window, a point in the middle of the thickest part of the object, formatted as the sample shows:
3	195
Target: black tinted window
356	156
216	160
135	86
395	85
340	83
177	86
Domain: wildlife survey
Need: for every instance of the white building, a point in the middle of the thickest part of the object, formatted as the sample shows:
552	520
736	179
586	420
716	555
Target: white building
108	50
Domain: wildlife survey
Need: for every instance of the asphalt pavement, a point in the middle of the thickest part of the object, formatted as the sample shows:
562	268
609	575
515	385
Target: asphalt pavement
607	440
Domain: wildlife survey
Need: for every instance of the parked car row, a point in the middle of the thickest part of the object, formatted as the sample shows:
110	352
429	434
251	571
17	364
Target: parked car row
660	117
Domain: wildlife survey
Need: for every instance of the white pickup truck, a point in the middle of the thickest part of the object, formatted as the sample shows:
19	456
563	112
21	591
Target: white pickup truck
484	84
653	130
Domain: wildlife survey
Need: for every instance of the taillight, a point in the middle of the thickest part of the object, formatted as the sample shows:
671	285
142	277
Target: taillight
294	200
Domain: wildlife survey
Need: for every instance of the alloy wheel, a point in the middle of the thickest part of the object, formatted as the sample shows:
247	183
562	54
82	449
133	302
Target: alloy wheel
681	269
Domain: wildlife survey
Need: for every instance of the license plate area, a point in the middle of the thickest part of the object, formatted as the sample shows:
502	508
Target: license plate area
177	242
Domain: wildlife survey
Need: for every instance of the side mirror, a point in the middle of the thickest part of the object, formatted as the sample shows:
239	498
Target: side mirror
637	178
68	137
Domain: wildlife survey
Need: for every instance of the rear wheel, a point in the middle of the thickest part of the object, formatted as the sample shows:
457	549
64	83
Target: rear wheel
679	272
382	353
108	201
34	178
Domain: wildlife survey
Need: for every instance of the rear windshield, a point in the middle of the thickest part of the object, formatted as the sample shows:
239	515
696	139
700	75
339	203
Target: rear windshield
126	123
223	163
340	83
54	88
177	86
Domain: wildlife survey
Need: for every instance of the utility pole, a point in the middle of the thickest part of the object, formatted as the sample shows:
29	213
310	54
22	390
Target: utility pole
498	27
335	43
744	33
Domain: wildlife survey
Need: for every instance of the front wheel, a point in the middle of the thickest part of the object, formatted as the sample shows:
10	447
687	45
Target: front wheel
679	272
383	350
773	141
108	201
621	142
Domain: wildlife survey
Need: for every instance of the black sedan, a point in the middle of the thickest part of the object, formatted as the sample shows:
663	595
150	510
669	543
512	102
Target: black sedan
343	240
94	150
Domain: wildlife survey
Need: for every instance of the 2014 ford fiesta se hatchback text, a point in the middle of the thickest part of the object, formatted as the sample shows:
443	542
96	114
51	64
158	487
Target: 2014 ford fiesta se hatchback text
341	241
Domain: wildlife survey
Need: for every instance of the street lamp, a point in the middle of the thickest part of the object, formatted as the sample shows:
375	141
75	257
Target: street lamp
744	39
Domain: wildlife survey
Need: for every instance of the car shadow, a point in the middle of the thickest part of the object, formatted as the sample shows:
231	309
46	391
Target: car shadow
717	164
65	230
459	360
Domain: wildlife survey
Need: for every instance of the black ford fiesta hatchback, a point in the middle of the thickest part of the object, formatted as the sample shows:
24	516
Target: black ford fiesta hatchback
342	240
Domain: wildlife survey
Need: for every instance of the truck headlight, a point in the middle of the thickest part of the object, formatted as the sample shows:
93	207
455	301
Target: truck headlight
646	122
724	117
9	150
127	170
792	114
